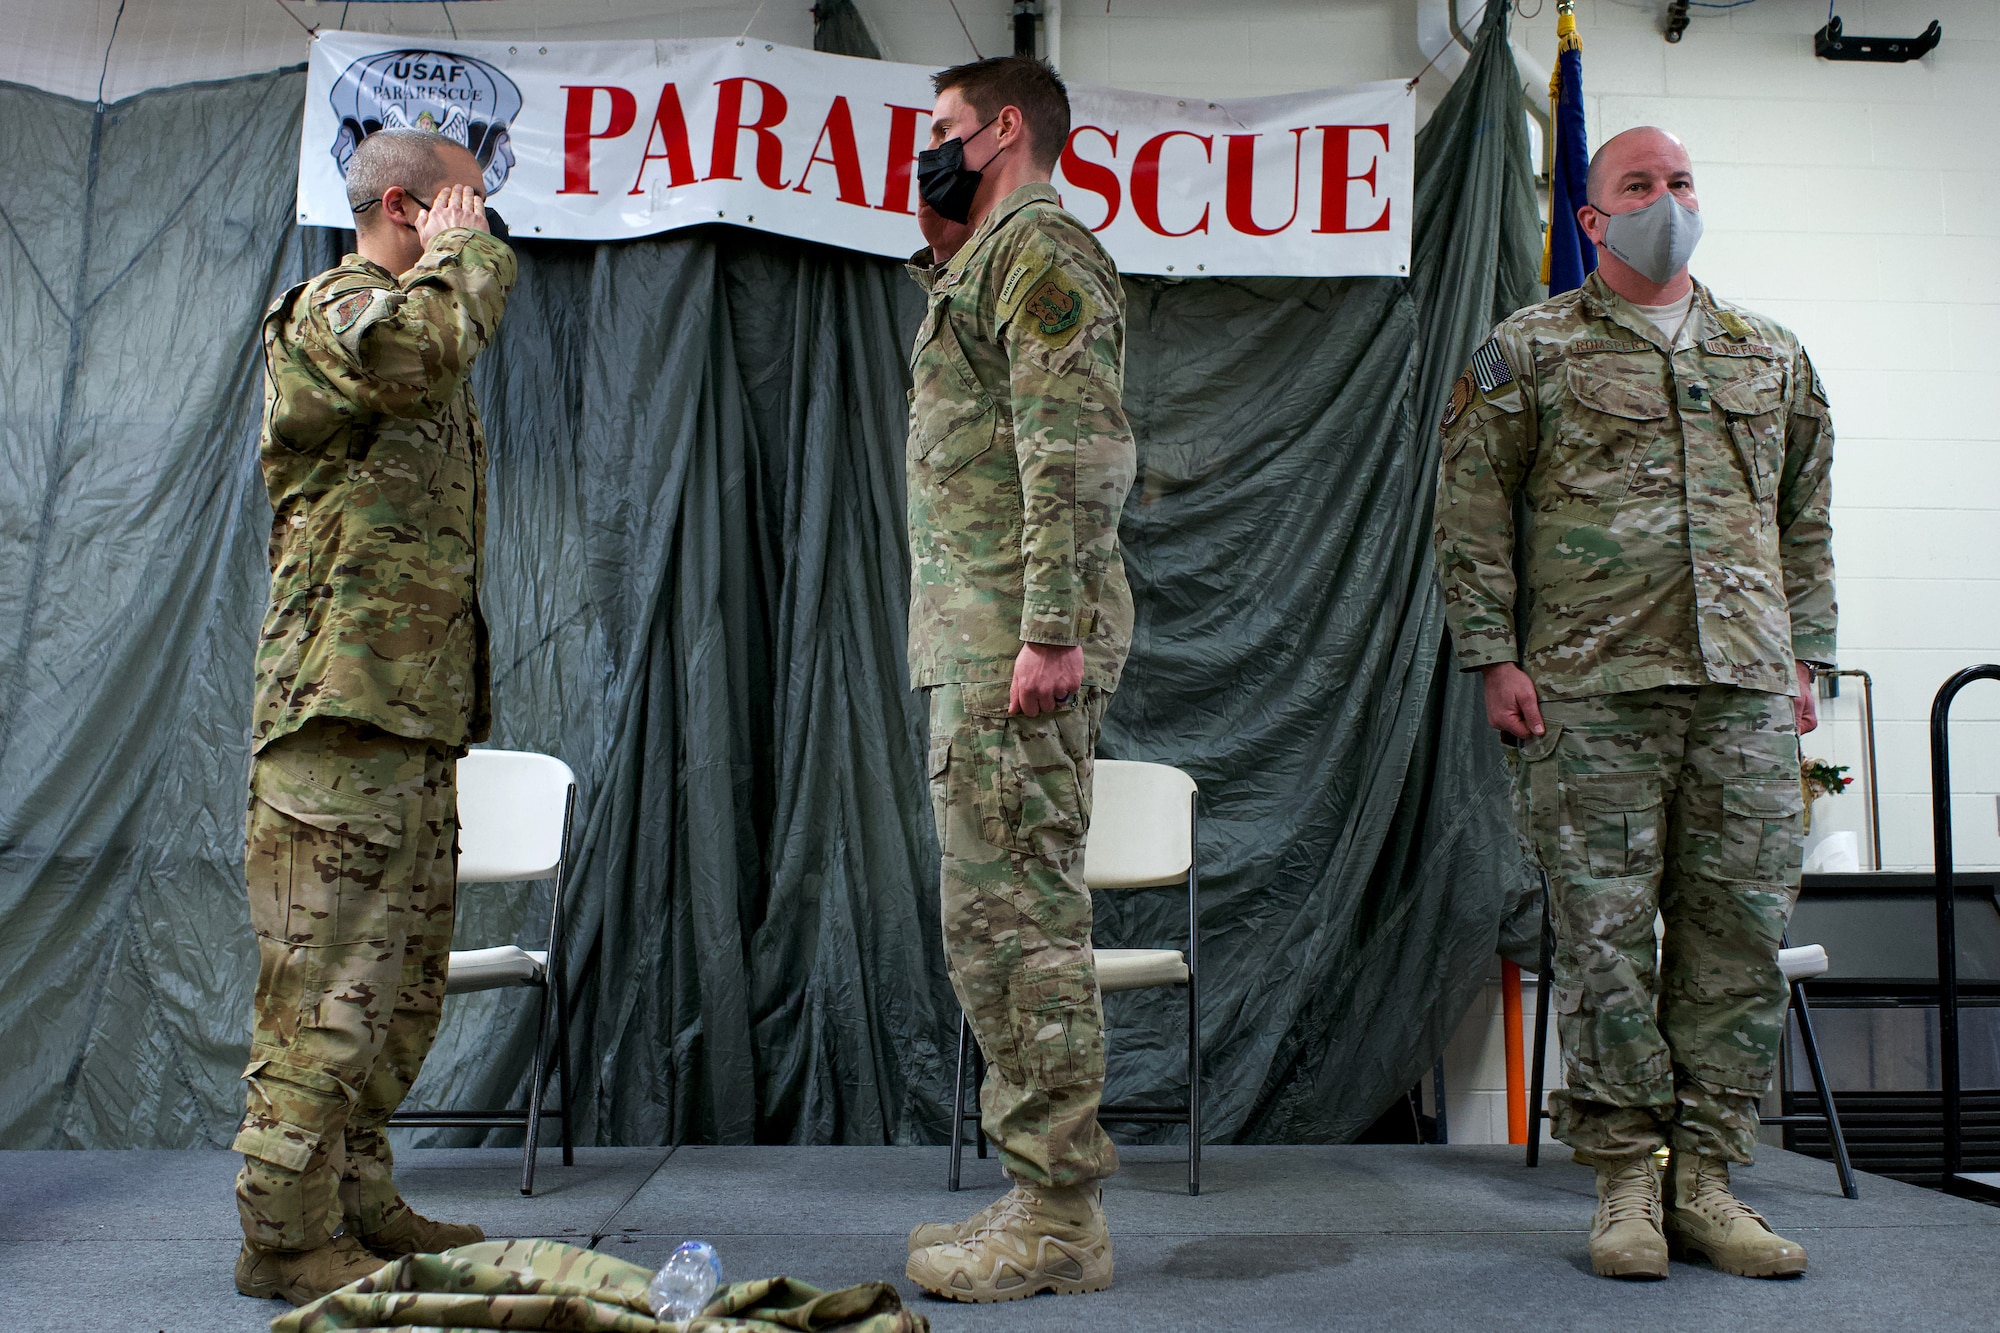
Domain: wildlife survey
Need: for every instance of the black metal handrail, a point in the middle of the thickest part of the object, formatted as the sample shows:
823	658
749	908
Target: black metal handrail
1947	918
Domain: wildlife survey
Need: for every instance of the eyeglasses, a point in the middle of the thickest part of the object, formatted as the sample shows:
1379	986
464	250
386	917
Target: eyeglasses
424	204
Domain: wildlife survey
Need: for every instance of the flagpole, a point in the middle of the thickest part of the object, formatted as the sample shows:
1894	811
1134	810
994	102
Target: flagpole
1566	40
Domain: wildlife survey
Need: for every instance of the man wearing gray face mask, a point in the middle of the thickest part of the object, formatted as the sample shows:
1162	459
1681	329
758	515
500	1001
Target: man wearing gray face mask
1632	537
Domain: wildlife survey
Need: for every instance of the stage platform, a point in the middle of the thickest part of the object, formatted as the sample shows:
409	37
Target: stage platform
1360	1237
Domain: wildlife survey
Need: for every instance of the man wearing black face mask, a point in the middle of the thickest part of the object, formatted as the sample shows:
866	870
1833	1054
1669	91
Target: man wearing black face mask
1020	618
371	679
1672	455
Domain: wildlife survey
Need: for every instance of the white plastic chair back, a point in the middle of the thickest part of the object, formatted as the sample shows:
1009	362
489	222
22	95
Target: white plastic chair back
1803	962
510	815
1140	826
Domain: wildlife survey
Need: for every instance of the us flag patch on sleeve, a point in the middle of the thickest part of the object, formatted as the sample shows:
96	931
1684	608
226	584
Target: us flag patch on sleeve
1489	367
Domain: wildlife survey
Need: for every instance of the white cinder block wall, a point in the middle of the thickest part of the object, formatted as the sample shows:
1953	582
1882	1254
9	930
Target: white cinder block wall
1858	203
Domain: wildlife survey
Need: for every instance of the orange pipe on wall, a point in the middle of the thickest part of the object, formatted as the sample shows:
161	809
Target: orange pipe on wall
1517	1078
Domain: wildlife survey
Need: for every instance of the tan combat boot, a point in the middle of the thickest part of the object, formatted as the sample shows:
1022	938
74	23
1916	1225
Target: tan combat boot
1704	1218
1035	1239
410	1232
1625	1237
299	1276
926	1234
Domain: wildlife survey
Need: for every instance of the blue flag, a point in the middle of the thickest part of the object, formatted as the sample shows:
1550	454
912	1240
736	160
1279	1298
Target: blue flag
1570	257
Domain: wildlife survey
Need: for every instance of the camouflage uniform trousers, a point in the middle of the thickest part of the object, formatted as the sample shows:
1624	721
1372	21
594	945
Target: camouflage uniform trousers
1011	796
351	861
1684	802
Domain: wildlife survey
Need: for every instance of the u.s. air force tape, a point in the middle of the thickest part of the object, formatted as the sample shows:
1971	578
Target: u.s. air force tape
1489	367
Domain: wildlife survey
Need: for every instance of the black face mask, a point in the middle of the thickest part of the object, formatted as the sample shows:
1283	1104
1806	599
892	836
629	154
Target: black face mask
945	182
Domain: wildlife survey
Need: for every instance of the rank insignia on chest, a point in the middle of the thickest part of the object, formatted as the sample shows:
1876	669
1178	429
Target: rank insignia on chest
1695	397
1055	310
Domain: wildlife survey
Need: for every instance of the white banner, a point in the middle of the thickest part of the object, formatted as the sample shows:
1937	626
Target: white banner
606	140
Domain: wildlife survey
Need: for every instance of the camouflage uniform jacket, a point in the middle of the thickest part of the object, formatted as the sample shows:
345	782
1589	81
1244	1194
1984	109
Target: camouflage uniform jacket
1019	452
1675	500
376	467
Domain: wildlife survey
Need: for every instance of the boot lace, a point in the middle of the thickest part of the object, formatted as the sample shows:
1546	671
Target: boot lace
1713	1196
1010	1212
1630	1196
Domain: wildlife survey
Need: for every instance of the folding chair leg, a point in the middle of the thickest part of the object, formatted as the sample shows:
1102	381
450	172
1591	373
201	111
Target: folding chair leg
1194	1087
978	1083
532	1140
1544	984
1841	1165
562	1069
957	1111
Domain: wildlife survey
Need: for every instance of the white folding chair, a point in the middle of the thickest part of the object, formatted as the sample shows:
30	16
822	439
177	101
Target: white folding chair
1142	836
1800	964
515	811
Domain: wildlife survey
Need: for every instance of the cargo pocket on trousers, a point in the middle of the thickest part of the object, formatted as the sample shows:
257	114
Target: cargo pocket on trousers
1060	1030
265	1134
1029	795
1764	836
333	868
1618	819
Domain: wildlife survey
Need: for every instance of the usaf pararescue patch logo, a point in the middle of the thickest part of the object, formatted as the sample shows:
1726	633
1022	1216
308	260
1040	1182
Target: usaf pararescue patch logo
454	95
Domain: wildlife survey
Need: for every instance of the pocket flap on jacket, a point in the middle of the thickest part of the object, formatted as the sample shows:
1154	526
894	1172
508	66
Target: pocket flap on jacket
1615	792
1619	398
297	796
963	442
940	757
1773	798
1751	397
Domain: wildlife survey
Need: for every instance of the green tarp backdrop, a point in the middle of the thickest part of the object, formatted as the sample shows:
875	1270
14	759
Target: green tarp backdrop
696	588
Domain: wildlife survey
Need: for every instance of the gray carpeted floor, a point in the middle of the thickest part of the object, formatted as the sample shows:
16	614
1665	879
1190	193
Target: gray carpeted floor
1281	1238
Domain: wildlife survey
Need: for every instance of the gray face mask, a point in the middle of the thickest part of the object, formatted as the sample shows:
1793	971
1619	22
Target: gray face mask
1657	240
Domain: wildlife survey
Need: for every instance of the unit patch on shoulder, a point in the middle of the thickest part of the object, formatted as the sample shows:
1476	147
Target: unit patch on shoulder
348	309
1489	367
1461	398
1055	308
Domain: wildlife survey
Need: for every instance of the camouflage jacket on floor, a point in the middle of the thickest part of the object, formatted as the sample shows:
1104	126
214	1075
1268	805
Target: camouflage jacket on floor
1675	502
376	467
544	1286
1019	452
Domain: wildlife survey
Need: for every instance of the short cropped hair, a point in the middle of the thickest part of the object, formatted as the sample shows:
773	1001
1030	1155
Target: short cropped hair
413	159
1593	180
1024	82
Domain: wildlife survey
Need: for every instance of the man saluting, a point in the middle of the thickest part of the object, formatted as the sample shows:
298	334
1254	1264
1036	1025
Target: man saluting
1020	619
371	679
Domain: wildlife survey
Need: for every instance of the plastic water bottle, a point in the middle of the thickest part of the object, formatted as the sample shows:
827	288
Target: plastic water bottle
686	1283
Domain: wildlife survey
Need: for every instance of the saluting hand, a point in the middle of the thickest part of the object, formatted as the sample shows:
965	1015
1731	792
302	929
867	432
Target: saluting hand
453	206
